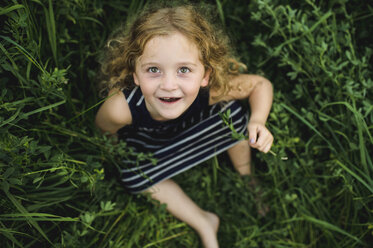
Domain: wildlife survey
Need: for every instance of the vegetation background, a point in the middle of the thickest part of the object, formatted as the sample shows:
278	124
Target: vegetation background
57	173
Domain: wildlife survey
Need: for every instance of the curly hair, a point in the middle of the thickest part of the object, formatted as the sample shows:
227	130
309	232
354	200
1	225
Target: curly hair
127	46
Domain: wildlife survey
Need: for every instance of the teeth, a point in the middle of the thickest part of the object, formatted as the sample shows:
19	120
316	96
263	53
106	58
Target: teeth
169	99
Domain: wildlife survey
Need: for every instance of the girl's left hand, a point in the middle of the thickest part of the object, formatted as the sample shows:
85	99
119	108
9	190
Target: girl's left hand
259	136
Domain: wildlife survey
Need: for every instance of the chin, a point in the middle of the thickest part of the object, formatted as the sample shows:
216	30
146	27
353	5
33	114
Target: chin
167	117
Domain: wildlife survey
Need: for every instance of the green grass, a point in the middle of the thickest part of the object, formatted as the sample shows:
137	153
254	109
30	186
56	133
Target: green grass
58	184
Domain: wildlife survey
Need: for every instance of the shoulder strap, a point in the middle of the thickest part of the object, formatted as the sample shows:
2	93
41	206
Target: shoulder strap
134	99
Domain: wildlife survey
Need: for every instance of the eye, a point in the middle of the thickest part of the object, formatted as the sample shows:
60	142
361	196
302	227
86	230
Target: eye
184	70
153	69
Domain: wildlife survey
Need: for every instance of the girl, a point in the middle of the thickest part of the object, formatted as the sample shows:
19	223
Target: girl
169	78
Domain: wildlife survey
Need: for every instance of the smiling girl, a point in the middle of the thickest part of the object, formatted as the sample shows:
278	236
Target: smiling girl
170	77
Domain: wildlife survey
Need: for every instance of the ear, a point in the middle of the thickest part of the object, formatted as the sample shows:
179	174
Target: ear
206	78
135	79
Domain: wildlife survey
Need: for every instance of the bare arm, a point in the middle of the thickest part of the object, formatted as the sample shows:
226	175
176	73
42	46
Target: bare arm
114	113
260	99
259	92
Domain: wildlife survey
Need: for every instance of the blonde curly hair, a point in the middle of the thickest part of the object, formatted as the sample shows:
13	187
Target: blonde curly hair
126	47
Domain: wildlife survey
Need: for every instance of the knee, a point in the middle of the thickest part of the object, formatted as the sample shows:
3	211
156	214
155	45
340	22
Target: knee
239	148
160	190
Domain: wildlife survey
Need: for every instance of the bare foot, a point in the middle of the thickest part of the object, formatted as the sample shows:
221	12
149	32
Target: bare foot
254	187
209	234
214	221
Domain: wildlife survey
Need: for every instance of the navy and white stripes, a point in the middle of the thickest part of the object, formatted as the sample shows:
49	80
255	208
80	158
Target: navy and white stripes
178	145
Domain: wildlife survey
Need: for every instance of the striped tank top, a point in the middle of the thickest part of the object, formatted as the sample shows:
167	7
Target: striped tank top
176	145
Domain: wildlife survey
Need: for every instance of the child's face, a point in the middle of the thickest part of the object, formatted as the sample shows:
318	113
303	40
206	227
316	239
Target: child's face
170	74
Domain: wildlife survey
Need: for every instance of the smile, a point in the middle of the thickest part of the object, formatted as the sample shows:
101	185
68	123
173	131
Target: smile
169	99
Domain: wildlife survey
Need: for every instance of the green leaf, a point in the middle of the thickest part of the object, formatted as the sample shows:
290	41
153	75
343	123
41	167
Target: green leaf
5	186
15	181
8	172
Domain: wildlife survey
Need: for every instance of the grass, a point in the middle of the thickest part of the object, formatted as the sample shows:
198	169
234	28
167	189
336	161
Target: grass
58	184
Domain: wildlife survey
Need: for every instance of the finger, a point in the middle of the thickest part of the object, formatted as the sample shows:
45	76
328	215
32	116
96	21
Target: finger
252	135
265	140
267	148
268	144
263	137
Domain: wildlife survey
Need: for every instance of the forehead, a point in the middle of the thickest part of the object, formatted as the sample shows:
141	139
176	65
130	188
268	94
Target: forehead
169	46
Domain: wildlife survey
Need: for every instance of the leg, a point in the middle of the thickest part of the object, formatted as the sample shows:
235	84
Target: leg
240	155
182	207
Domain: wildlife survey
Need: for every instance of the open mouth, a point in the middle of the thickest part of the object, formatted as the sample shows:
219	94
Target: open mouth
169	99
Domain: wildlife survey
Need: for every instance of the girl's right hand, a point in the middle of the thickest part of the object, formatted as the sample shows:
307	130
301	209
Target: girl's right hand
259	136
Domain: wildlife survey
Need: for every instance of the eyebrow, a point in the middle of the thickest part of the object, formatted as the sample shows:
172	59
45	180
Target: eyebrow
179	64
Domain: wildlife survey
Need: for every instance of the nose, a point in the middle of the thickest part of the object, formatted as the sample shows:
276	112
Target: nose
168	82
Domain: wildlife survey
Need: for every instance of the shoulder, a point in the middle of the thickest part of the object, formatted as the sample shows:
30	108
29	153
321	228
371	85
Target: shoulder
114	113
239	87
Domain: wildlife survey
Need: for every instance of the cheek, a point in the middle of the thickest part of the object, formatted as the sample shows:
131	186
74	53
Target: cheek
148	86
191	89
146	89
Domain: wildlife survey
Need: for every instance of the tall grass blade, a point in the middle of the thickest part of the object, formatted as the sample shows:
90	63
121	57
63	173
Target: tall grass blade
114	224
308	124
30	220
24	52
45	108
220	11
359	118
12	118
165	239
4	11
36	217
368	186
92	20
8	233
331	227
90	108
51	28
